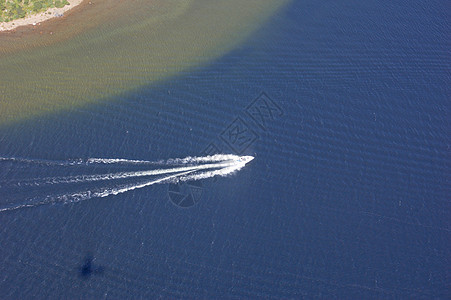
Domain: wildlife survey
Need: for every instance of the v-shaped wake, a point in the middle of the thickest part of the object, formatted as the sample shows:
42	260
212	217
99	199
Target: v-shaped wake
100	177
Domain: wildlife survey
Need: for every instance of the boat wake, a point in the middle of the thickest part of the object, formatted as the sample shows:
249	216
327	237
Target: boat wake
32	182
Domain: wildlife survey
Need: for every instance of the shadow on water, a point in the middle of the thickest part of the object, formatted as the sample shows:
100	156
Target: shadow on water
89	268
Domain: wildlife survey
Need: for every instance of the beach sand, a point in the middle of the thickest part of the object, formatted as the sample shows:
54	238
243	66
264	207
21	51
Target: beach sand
36	19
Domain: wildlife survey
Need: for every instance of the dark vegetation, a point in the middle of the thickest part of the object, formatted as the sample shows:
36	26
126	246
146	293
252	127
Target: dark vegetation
16	9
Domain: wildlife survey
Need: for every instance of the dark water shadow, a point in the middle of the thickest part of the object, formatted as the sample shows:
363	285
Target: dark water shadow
90	268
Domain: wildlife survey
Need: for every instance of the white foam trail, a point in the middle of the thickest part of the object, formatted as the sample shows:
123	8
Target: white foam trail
86	195
42	161
211	158
139	186
189	159
186	160
124	175
119	161
103	177
183	176
209	166
19	207
208	174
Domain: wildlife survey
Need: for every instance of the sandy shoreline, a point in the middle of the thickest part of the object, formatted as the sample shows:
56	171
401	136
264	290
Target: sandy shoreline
36	19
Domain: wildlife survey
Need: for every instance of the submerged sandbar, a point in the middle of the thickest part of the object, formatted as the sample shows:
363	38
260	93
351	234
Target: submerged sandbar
108	47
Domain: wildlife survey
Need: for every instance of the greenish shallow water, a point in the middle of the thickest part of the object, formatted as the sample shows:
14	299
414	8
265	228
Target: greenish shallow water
107	48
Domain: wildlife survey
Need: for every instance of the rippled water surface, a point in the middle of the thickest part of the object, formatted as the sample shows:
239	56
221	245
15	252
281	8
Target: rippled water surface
105	48
343	104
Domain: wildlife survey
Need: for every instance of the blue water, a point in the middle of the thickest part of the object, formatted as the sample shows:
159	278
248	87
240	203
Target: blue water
343	104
